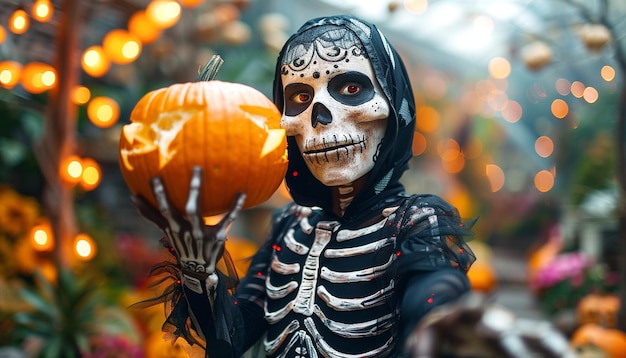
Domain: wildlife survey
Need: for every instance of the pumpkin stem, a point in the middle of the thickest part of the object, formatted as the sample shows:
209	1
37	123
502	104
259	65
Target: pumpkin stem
209	71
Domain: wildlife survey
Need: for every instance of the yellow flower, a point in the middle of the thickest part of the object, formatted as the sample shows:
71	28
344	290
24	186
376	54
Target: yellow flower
17	213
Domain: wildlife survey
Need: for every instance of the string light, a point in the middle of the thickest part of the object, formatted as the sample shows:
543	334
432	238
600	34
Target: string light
121	47
41	236
19	22
71	169
84	247
42	10
38	77
103	111
163	13
95	62
90	178
143	28
10	73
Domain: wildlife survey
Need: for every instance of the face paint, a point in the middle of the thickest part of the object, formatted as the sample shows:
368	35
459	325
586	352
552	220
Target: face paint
335	110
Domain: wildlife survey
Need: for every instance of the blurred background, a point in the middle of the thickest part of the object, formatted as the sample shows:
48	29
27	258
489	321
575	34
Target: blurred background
521	123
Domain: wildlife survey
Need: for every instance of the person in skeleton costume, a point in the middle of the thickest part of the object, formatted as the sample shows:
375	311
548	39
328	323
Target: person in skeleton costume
350	267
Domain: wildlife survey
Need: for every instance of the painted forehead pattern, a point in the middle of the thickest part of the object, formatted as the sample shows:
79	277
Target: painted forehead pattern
330	44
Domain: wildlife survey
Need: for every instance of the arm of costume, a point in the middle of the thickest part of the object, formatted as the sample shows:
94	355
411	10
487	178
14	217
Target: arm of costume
224	324
228	323
434	259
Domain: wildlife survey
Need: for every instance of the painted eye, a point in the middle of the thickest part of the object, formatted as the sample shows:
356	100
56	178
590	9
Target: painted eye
301	97
350	89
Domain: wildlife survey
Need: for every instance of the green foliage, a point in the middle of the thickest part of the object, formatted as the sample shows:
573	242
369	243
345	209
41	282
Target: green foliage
67	315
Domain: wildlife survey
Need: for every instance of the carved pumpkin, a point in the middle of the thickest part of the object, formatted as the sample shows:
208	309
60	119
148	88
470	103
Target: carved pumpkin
598	309
482	276
231	130
611	341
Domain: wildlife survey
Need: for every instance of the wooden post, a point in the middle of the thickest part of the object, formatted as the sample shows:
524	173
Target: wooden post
58	140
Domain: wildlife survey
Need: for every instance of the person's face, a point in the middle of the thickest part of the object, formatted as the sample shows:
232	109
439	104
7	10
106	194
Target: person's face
337	114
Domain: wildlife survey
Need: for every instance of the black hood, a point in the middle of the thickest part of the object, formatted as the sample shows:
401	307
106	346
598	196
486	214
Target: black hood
395	153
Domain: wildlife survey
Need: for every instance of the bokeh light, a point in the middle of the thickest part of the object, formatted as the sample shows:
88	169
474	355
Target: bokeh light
419	144
590	94
42	237
71	169
563	86
163	13
81	95
607	73
95	62
496	177
10	72
91	176
103	111
121	47
427	119
544	146
19	22
143	28
416	6
84	247
38	77
578	89
42	10
544	181
559	108
499	68
512	111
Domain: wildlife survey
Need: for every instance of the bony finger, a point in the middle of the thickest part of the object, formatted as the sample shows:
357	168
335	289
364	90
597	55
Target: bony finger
193	206
235	208
158	189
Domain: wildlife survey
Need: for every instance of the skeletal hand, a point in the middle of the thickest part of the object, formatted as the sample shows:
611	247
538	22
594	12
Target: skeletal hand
473	327
198	246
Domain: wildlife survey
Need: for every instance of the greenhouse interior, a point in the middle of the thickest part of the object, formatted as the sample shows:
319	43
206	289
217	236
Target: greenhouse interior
520	124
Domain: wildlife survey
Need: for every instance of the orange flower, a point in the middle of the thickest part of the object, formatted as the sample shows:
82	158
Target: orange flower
17	213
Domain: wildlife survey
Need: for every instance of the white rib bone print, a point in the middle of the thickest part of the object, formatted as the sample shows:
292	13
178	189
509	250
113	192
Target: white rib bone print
311	292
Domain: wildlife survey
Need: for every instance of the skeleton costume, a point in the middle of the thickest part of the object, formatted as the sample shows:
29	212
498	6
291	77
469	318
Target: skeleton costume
351	267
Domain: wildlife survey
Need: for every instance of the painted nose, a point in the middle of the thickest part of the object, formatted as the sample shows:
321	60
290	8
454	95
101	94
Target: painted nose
320	114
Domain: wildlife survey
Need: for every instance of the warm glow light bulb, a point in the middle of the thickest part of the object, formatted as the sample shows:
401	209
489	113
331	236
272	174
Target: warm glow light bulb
38	77
19	22
41	236
71	169
103	111
90	179
84	247
121	47
10	73
142	27
163	13
81	95
42	10
95	62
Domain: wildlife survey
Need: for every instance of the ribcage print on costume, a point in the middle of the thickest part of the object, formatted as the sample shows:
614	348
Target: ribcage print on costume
329	290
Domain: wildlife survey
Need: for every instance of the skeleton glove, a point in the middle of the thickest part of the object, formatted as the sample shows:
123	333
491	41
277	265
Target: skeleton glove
198	247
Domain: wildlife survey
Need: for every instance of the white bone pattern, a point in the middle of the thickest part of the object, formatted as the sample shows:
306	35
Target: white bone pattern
303	306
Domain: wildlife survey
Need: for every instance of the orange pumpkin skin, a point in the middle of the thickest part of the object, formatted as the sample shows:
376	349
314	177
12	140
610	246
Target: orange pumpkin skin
231	130
611	341
482	276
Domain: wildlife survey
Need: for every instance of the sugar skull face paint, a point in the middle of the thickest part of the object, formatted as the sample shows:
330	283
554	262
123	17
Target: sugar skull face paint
334	107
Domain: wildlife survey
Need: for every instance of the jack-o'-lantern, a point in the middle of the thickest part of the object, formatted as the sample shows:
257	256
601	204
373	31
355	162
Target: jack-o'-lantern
230	130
